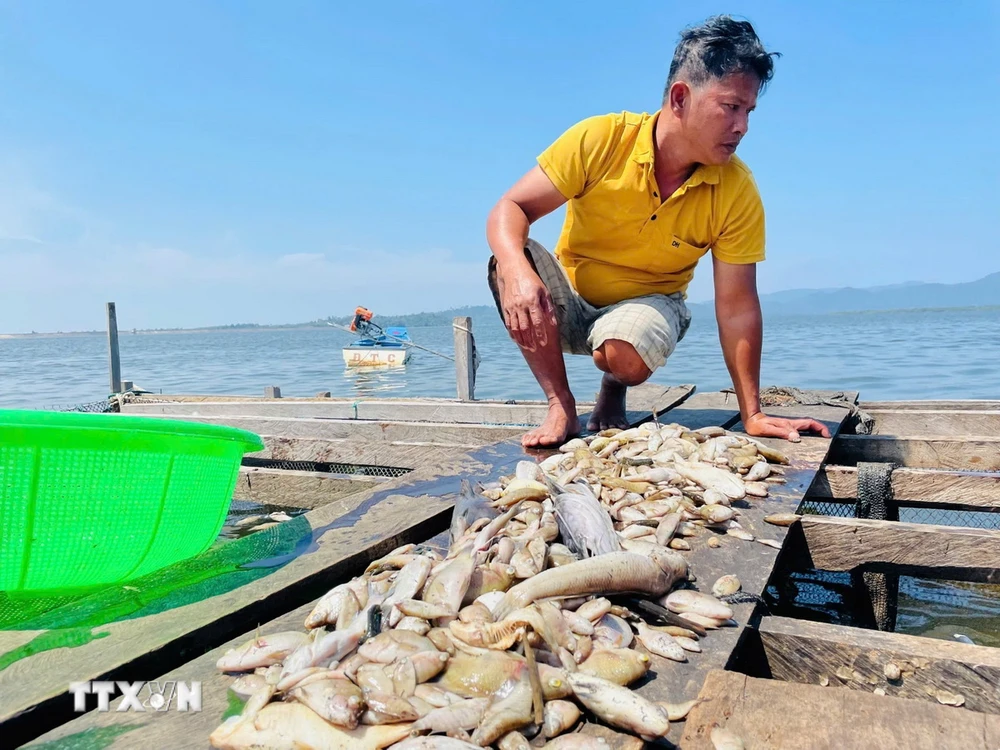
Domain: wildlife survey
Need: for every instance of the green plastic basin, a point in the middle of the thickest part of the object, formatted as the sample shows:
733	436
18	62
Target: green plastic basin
97	499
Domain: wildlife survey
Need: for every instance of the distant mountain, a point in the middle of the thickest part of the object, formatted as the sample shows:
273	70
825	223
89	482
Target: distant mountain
906	296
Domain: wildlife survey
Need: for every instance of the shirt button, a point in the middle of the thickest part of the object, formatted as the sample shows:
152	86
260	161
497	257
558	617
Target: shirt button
653	217
655	195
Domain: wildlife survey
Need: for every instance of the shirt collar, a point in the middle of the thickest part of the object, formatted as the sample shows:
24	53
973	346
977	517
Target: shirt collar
644	151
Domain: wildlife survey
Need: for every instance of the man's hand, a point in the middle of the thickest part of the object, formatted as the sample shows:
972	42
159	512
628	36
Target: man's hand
761	425
527	308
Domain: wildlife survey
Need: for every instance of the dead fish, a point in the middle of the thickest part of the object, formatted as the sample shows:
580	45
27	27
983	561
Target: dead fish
585	526
709	477
617	572
755	489
622	666
462	715
436	742
612	631
716	513
782	519
339	701
667	527
758	471
559	717
769	542
619	706
659	643
726	585
949	699
677	711
511	710
469	507
687	600
725	739
262	651
248	684
595	609
287	724
739	533
892	672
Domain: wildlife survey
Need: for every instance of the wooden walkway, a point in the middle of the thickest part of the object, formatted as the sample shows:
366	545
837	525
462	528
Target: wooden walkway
179	638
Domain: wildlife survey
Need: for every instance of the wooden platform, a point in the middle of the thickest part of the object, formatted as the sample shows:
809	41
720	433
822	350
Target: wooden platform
177	635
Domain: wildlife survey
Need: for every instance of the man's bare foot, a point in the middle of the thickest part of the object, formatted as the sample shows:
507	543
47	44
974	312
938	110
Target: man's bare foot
609	411
559	424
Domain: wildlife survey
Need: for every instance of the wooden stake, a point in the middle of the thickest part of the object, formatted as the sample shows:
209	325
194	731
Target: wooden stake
114	362
465	375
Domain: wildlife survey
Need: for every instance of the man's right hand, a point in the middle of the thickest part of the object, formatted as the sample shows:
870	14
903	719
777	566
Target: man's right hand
527	308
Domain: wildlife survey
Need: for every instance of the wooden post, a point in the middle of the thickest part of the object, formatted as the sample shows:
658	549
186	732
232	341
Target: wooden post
272	391
114	362
465	375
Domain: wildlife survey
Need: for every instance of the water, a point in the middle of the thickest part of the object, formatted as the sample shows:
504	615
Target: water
937	354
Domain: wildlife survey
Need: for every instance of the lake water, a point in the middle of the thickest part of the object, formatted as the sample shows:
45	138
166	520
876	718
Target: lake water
937	354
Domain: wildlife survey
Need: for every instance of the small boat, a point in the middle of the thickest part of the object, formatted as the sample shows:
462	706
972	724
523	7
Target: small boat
376	347
387	350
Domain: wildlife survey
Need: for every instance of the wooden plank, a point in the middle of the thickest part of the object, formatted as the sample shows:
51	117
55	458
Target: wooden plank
174	615
298	489
465	374
803	651
415	410
919	452
347	451
916	487
946	552
909	423
782	716
361	431
114	358
938	405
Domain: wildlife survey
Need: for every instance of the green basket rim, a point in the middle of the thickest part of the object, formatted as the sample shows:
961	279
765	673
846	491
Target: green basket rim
116	423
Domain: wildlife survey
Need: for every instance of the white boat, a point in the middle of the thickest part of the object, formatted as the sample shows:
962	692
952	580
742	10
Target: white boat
388	348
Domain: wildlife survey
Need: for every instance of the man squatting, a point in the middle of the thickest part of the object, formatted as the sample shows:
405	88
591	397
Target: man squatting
648	195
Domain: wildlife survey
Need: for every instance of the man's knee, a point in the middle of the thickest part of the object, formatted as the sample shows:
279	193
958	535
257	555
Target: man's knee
622	360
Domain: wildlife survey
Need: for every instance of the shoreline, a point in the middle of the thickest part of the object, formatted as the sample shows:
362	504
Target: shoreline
317	326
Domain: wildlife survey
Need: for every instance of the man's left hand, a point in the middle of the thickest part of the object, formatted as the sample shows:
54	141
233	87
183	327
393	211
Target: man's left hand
761	425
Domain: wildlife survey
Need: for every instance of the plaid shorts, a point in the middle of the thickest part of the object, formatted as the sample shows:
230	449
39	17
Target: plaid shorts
653	324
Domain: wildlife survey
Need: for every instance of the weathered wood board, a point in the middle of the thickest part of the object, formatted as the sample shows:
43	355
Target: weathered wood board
910	423
298	489
804	651
937	405
416	410
945	552
361	432
966	453
931	487
354	451
785	716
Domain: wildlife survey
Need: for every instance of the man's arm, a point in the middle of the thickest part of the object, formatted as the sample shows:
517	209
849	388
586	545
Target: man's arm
741	329
524	299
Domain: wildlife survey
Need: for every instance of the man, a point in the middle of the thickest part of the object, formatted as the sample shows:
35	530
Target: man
648	196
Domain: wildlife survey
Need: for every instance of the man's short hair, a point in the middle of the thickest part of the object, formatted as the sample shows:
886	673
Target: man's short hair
717	48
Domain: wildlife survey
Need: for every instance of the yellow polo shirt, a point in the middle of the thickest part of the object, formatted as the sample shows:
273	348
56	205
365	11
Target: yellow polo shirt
621	239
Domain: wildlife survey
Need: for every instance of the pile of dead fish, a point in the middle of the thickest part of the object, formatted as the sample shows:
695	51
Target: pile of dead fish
558	584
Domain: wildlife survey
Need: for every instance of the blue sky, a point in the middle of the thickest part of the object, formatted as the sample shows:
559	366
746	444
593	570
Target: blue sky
214	162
